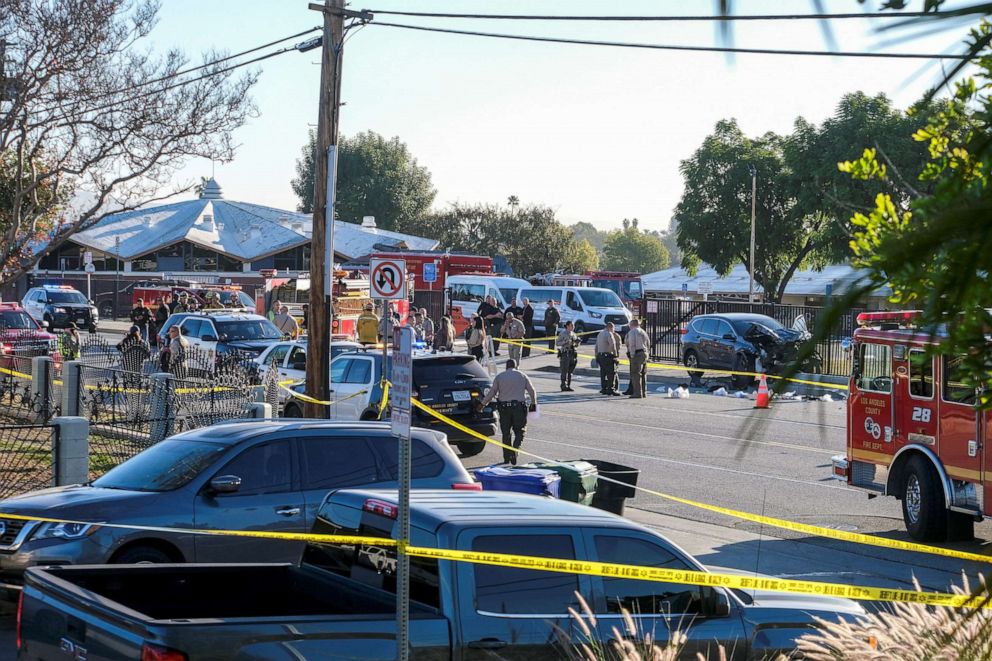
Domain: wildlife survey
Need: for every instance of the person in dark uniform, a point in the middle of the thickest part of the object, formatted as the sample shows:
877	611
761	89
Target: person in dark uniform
511	389
528	319
551	320
607	354
567	343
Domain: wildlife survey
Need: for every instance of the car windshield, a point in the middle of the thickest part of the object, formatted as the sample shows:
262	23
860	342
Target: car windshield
164	466
600	298
508	295
742	326
66	297
15	319
248	329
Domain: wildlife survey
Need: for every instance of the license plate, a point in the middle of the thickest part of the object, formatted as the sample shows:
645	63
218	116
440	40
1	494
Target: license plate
461	396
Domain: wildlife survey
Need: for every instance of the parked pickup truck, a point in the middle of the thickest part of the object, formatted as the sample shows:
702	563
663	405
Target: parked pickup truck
339	601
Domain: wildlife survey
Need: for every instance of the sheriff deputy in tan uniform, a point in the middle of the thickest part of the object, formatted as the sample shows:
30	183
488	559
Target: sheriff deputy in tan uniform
637	351
510	389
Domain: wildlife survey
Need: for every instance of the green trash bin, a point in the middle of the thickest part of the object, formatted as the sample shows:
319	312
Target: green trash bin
578	479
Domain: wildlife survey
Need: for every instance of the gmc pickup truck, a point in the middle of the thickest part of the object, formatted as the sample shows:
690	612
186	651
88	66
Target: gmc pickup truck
339	602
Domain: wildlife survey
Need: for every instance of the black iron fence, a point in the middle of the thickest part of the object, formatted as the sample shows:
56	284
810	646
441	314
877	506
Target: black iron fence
26	458
665	319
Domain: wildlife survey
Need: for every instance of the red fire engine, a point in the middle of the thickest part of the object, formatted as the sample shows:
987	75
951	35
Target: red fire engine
913	430
444	264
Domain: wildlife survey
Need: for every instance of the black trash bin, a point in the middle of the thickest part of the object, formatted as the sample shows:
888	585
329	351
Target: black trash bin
610	496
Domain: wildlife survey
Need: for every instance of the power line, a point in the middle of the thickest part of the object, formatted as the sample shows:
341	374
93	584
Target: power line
661	18
87	111
707	49
183	72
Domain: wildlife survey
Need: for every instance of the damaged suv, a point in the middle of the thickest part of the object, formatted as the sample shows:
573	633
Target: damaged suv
742	342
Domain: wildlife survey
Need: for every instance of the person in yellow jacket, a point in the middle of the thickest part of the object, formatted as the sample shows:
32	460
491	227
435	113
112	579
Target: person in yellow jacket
368	326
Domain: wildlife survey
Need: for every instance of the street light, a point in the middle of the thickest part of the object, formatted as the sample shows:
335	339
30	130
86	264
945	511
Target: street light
754	189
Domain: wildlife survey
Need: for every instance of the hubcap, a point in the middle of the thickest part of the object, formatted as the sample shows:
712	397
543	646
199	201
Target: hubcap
912	498
691	361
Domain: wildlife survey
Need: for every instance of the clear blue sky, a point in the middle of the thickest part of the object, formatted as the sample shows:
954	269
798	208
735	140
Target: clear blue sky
596	133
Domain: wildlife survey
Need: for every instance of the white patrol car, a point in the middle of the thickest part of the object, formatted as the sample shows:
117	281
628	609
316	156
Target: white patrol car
290	358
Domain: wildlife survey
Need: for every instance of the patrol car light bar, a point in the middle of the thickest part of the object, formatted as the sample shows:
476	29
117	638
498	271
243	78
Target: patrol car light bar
902	317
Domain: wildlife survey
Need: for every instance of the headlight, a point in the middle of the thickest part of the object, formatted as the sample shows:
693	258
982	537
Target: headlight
595	315
64	530
61	310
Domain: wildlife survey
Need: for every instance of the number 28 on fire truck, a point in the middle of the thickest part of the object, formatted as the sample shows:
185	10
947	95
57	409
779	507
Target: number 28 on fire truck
913	430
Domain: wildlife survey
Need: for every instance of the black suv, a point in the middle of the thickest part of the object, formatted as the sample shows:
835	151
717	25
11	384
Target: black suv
450	383
59	306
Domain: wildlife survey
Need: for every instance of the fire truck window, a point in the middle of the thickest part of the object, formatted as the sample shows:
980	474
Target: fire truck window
920	374
955	389
876	368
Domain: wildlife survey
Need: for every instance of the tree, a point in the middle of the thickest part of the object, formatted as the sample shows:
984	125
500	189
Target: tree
376	177
580	257
529	236
583	231
94	117
630	249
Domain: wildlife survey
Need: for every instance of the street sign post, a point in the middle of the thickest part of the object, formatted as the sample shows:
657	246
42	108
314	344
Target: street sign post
87	257
89	268
402	384
705	287
685	288
387	279
430	272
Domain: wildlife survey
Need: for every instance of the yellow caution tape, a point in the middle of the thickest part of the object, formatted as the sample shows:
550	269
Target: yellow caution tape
19	375
306	398
680	368
689	577
842	535
573	566
385	398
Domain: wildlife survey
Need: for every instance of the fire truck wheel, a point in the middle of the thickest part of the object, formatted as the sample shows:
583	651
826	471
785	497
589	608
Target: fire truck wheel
923	508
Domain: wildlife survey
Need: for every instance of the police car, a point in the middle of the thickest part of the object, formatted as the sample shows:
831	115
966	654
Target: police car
449	383
59	306
290	357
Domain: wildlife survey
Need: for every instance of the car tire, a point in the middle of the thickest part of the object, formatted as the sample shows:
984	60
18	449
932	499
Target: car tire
106	309
923	508
292	410
578	330
742	364
466	449
142	555
690	361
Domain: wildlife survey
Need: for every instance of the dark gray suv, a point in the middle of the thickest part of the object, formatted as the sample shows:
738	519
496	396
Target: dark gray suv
738	341
246	475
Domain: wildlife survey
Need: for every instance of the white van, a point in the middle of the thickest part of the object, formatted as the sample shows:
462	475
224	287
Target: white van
467	291
588	308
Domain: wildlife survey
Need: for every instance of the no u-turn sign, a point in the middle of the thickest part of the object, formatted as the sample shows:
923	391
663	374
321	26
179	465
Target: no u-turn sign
387	278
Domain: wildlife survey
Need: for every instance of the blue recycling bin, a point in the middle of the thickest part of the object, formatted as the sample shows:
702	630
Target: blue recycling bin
536	481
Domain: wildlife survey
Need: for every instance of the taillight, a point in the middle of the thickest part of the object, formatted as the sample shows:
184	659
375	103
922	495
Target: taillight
466	486
151	652
685	330
381	507
17	625
6	348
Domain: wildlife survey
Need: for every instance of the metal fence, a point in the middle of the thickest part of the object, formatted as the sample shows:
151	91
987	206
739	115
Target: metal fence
433	301
26	458
665	319
18	399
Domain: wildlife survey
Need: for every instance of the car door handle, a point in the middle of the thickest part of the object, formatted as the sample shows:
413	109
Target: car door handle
488	644
288	511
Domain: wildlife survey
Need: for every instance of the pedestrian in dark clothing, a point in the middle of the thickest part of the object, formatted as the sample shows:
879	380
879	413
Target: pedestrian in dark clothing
568	358
134	353
306	318
492	314
161	316
141	317
551	319
608	345
528	319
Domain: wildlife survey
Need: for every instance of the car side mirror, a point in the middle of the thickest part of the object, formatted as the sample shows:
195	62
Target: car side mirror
715	602
729	336
208	338
225	484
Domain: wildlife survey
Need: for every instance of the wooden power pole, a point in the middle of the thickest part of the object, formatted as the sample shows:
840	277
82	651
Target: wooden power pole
322	241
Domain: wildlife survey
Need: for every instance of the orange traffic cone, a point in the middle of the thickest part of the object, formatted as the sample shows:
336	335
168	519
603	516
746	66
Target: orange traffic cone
762	401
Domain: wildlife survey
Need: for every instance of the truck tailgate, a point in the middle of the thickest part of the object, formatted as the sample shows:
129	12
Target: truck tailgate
64	617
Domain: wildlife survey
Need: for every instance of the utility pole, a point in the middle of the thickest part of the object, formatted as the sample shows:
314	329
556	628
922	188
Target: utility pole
322	241
754	190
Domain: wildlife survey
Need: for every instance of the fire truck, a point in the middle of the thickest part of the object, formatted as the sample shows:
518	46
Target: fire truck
913	429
